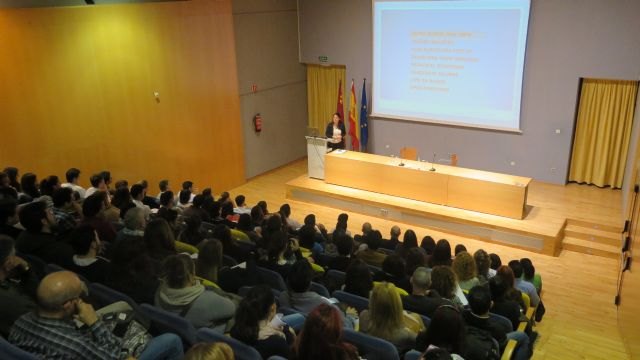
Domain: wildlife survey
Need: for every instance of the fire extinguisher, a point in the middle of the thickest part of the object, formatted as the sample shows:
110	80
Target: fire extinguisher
257	123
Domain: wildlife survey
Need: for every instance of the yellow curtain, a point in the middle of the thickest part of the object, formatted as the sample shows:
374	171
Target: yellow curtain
322	94
603	131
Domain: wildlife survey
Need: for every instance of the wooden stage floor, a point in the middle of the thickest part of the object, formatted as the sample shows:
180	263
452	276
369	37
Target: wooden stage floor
541	230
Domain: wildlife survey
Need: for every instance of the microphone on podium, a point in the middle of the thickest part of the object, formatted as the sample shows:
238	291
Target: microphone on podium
432	161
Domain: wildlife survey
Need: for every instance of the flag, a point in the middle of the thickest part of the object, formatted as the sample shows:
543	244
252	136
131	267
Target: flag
353	121
340	109
364	125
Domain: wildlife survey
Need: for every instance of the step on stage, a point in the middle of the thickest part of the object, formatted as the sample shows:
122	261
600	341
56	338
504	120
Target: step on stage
541	230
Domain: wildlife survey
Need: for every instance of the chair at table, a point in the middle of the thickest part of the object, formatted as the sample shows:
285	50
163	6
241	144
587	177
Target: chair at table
358	302
241	350
319	289
105	295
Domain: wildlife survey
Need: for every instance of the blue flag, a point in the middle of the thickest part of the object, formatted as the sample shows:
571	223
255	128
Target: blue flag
364	123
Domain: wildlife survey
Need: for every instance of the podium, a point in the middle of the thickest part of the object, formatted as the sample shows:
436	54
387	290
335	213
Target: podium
316	148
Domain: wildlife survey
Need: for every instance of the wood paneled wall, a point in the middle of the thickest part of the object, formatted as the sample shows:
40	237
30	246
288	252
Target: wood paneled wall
77	89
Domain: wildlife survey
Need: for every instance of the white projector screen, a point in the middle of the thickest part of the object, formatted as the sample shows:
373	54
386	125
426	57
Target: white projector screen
457	62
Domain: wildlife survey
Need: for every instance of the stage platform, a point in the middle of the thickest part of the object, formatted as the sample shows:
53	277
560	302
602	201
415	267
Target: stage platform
541	230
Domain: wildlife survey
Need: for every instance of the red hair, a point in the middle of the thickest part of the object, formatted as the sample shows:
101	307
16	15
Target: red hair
321	337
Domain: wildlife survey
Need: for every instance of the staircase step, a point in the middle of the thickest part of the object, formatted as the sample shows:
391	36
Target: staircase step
590	247
594	235
595	226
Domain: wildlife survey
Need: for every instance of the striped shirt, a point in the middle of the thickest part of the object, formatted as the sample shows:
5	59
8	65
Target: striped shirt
61	339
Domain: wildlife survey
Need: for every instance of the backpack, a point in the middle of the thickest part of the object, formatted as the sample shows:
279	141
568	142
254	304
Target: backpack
480	345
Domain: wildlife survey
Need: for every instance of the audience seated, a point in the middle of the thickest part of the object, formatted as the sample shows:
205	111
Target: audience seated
393	271
12	174
394	238
529	274
246	226
495	261
86	262
276	261
358	279
321	337
342	224
523	285
256	324
147	200
459	248
29	185
229	246
443	280
137	195
513	293
441	254
429	245
66	210
387	320
164	187
132	271
423	300
446	331
159	239
134	225
9	217
416	257
210	351
483	266
209	260
285	213
18	283
370	255
465	269
93	211
502	304
298	296
192	232
50	332
38	239
97	184
344	244
197	209
181	293
409	241
241	206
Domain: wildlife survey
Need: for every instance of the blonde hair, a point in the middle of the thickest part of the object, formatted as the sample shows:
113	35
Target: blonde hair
385	311
210	351
464	266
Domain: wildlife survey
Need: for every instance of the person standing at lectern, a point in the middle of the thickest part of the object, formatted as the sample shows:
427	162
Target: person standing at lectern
335	132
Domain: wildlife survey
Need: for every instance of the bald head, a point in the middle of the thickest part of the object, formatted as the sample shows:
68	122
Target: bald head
421	279
134	219
57	288
366	227
395	231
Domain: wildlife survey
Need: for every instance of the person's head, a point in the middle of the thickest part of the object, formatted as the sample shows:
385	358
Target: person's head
198	200
8	213
321	336
193	223
507	274
121	197
145	185
300	276
35	217
106	176
394	265
446	330
207	193
421	280
483	262
210	351
410	240
464	266
263	206
258	305
178	271
93	205
499	287
171	215
62	197
310	220
159	237
227	209
442	253
528	270
4	180
137	192
358	279
130	258
224	197
49	184
85	241
374	239
366	228
395	232
344	243
29	184
273	223
257	216
72	175
59	294
443	280
223	233
495	261
436	353
97	181
122	184
414	259
187	185
516	267
428	244
342	221
307	237
285	211
166	199
277	245
480	300
209	259
336	119
7	249
240	201
184	197
244	222
124	209
134	219
459	248
12	173
163	185
385	310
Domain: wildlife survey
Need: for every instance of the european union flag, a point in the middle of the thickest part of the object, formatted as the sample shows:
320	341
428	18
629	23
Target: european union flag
364	123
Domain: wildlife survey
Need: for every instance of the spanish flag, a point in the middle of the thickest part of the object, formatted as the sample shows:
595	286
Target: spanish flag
353	120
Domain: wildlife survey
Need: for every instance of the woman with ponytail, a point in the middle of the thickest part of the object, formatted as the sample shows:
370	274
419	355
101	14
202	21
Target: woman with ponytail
256	324
321	337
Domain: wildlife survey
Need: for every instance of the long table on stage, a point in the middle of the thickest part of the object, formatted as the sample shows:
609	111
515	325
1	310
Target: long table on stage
483	191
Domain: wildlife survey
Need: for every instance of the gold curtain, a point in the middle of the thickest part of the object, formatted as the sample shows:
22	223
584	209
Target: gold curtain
603	132
322	94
